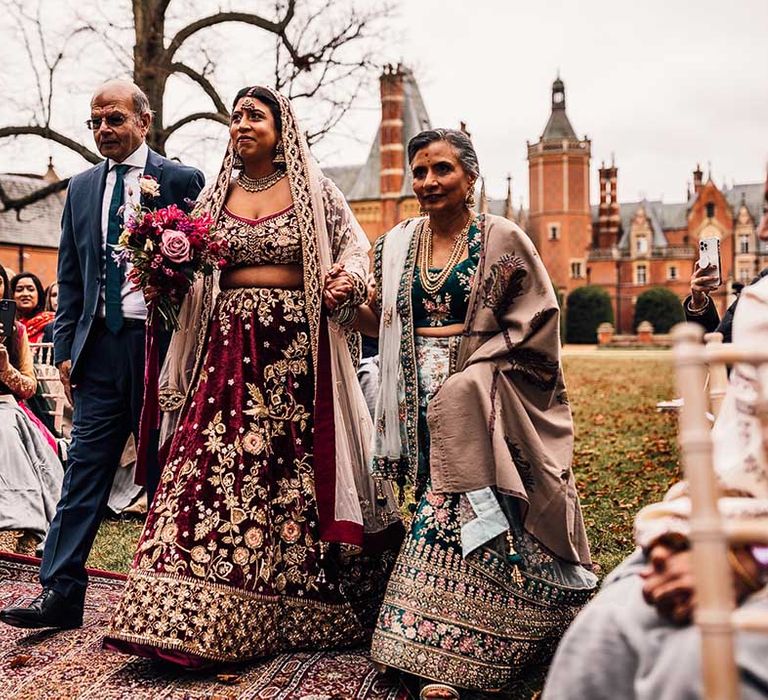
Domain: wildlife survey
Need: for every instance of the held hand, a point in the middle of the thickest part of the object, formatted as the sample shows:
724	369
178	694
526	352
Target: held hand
64	369
703	281
337	289
4	361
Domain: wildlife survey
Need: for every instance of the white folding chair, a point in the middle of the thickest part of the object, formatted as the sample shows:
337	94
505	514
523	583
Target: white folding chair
716	614
50	382
717	381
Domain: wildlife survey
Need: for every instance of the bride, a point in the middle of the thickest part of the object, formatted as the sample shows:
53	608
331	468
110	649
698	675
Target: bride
259	537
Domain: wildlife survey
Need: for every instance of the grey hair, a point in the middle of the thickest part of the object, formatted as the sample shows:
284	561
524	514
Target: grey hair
465	151
141	102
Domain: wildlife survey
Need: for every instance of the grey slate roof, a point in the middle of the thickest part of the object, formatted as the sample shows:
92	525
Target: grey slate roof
39	224
667	216
558	127
753	198
343	176
367	180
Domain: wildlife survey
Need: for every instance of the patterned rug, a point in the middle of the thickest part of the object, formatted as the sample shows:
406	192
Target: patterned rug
43	665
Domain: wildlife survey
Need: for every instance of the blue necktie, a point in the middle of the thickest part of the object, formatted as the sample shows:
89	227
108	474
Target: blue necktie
114	275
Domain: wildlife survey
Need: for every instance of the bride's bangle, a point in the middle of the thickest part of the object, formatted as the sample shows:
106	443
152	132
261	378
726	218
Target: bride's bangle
346	316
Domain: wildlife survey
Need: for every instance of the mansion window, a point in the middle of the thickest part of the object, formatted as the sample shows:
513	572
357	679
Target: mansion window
641	274
577	269
710	210
641	245
554	232
745	275
672	273
744	243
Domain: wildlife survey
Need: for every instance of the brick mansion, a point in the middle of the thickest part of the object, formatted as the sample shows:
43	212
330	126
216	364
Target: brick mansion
624	247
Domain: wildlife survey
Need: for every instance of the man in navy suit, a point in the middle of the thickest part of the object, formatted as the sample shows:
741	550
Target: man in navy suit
99	339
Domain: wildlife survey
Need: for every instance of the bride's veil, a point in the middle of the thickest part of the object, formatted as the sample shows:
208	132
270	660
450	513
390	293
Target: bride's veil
330	233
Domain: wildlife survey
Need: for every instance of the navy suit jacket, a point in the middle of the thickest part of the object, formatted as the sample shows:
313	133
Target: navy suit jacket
80	249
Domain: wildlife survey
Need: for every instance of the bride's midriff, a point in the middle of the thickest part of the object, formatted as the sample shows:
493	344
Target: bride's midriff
441	331
278	276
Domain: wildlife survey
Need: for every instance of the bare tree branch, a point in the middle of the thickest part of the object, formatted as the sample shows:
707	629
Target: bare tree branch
221	17
47	133
204	83
19	203
195	116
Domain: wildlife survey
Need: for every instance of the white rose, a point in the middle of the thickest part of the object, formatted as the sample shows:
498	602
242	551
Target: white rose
149	186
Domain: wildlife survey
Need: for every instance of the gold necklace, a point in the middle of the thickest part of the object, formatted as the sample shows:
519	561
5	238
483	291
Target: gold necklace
432	283
259	184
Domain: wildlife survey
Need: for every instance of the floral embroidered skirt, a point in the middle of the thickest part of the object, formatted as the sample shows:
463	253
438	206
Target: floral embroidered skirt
479	622
229	566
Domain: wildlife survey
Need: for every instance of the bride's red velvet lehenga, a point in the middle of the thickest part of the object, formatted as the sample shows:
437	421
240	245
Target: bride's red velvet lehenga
230	565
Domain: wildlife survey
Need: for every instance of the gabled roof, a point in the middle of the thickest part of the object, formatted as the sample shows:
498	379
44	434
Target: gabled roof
655	213
38	224
367	181
753	198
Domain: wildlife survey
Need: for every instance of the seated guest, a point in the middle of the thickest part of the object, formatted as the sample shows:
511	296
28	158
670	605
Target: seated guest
30	473
27	292
51	304
635	639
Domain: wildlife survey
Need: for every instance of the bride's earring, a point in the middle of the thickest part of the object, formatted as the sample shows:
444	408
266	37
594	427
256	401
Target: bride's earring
237	161
279	159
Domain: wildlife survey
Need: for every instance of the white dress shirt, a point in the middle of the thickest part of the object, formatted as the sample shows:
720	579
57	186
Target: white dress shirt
132	301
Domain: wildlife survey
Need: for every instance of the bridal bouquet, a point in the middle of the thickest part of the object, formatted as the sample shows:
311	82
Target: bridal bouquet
167	248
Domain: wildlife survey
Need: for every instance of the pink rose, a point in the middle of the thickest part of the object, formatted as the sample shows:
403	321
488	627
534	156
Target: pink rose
175	246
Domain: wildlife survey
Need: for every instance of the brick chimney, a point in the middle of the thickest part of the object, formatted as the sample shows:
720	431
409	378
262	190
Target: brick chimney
609	216
391	141
698	177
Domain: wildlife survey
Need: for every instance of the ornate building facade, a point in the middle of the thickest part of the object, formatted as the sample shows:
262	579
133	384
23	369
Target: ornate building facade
624	247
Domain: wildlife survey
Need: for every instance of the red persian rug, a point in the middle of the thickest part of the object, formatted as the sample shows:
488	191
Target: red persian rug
43	665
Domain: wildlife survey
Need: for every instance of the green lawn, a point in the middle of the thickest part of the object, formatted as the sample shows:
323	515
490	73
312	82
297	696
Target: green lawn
626	451
625	454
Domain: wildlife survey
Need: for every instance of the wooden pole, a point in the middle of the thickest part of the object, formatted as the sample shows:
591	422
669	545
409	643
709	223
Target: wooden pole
712	572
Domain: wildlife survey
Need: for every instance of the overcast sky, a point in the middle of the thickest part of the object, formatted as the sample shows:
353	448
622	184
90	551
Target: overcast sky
662	84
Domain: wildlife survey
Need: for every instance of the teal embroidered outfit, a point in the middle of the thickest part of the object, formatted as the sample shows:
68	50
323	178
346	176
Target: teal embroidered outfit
474	600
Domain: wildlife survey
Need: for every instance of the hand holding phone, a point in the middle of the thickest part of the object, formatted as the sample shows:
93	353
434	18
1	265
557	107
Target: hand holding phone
7	317
709	258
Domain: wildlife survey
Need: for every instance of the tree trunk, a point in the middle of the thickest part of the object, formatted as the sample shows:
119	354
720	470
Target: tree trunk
150	63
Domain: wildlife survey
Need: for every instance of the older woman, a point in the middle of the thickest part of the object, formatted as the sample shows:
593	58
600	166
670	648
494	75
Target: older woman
472	410
255	541
27	292
30	473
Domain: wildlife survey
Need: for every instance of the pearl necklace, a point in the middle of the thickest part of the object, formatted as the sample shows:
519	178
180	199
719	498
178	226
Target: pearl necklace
259	184
432	283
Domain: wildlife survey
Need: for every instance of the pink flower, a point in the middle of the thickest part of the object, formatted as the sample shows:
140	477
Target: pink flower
175	246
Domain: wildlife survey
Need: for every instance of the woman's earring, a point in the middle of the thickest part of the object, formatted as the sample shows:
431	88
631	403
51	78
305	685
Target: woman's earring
469	200
279	158
422	210
237	161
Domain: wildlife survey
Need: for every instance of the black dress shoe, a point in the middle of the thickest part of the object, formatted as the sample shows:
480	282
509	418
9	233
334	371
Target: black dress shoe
49	609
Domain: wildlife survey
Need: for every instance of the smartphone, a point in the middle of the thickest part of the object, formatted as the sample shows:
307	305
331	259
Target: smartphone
709	257
7	317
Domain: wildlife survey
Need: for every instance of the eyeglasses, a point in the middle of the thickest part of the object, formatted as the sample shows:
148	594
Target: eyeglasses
113	120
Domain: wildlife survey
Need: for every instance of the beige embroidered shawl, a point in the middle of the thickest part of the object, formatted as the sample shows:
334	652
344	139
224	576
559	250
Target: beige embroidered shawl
503	418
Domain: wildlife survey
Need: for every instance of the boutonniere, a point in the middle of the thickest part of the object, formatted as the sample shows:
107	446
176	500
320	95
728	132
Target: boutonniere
149	186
